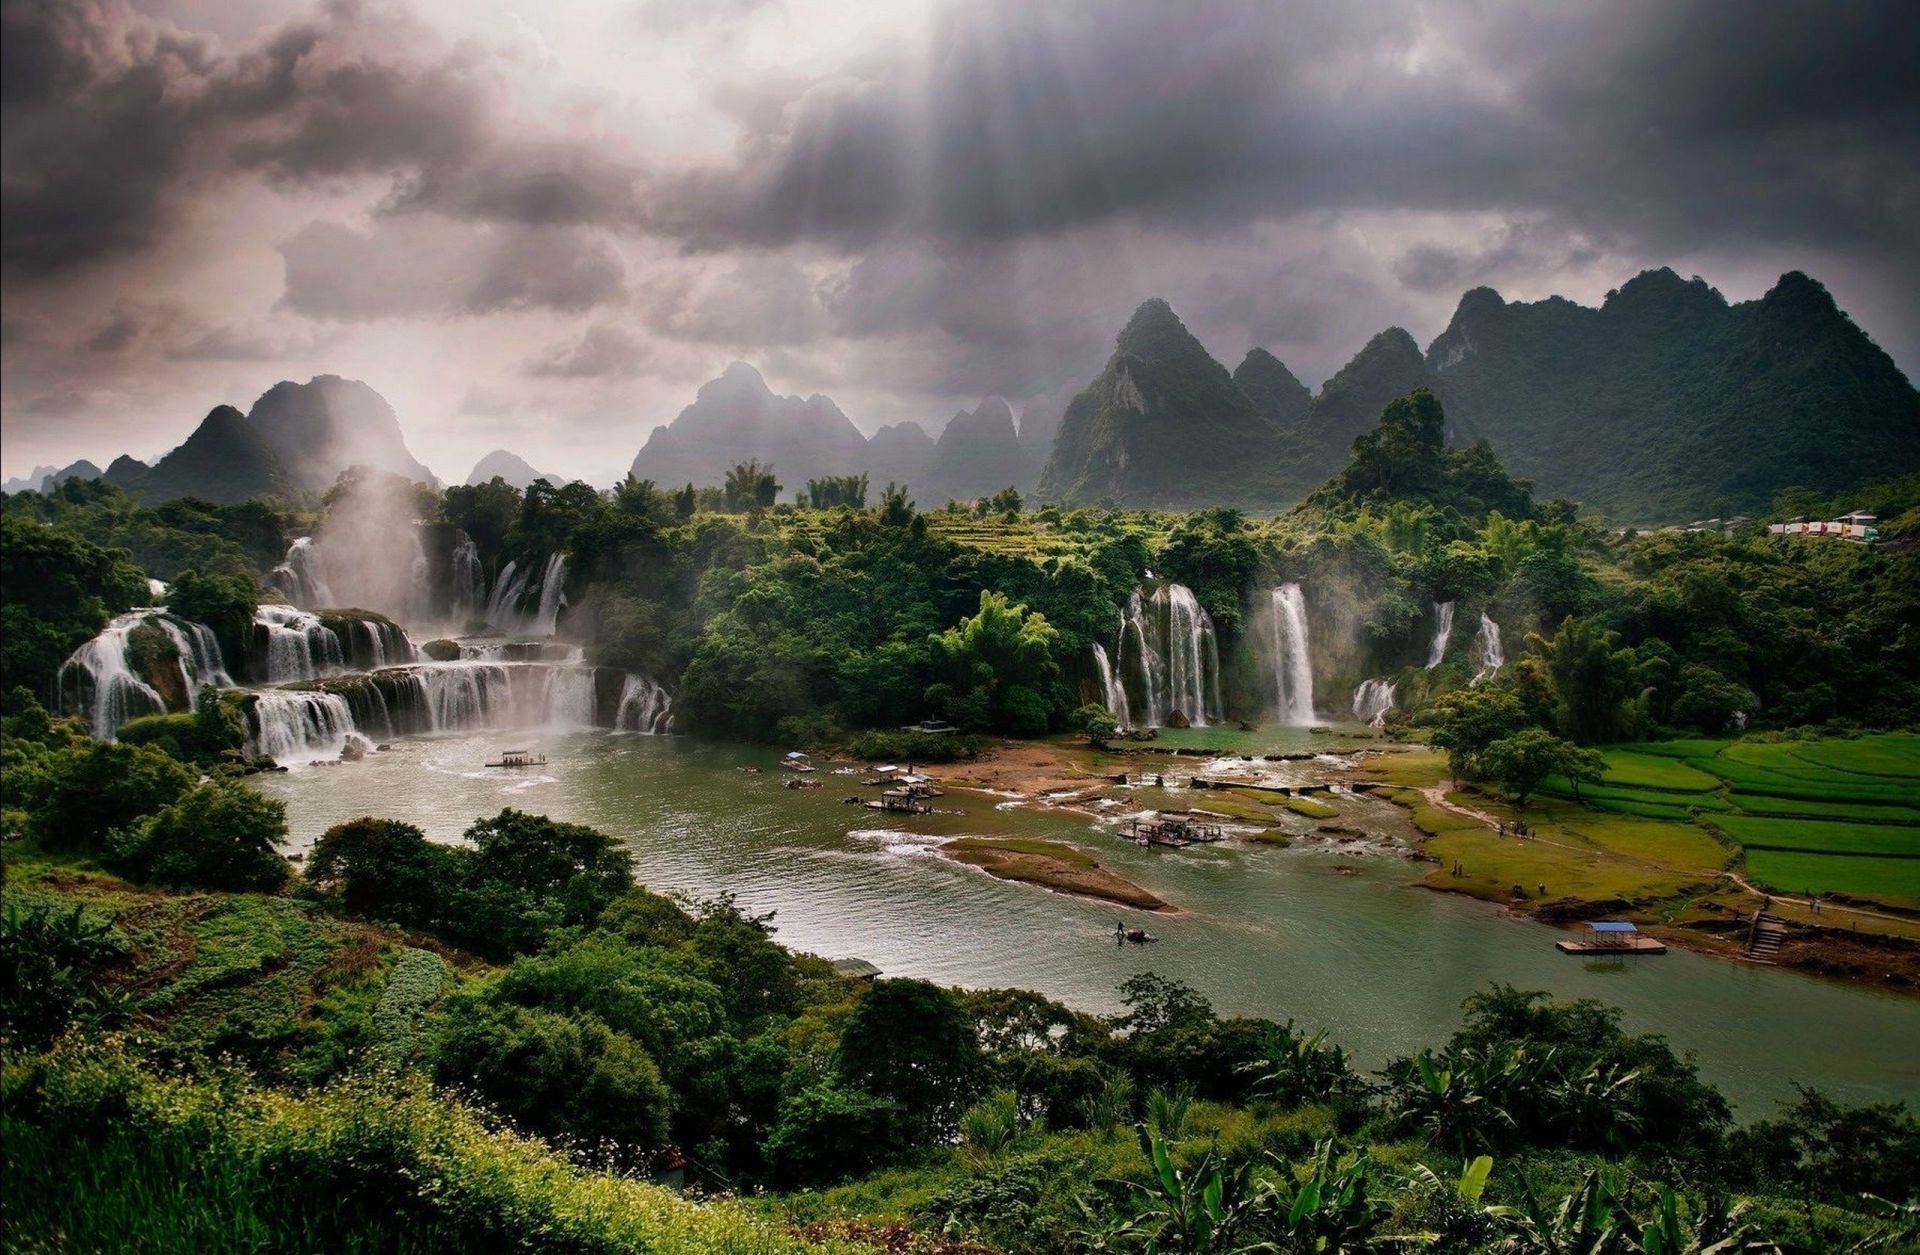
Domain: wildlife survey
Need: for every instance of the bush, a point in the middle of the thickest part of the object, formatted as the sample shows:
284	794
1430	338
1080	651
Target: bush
50	962
217	835
914	747
90	790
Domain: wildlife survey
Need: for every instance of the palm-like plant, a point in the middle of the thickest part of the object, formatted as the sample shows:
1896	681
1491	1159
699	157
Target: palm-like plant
1593	1220
1463	1101
1718	1227
1328	1209
1596	1105
1167	1113
1303	1069
1202	1210
1460	1216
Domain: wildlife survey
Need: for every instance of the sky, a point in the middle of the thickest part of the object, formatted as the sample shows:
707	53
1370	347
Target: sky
542	225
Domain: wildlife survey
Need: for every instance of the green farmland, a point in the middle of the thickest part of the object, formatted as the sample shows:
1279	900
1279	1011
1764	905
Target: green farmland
1831	816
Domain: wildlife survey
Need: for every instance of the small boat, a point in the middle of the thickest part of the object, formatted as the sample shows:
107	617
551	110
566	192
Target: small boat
1134	936
796	761
519	758
752	771
800	784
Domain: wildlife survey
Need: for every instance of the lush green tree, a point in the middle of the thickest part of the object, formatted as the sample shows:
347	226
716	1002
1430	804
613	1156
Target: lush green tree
1466	721
1599	691
913	1044
386	870
1097	722
1519	763
1000	656
224	603
89	790
218	835
750	486
59	591
827	1132
569	1077
529	874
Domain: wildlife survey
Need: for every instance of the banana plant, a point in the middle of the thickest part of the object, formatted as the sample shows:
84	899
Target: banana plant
1463	1219
1201	1210
1593	1220
1717	1228
1330	1209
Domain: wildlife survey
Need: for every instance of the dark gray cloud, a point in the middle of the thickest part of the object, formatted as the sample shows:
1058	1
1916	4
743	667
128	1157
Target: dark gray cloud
602	351
419	266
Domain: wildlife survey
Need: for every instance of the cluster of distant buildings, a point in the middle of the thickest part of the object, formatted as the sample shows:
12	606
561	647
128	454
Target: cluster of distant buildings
1856	526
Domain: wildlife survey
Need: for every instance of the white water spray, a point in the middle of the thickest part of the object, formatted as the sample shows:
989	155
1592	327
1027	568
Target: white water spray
1488	654
1371	702
1169	654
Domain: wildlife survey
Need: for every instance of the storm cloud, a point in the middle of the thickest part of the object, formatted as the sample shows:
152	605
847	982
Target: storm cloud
582	213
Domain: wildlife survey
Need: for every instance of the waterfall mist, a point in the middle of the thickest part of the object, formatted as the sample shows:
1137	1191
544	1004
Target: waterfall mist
367	553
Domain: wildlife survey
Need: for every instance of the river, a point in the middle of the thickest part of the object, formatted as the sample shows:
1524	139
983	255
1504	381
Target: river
1333	938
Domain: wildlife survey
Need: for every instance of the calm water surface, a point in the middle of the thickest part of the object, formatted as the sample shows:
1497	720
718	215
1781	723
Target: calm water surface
1327	937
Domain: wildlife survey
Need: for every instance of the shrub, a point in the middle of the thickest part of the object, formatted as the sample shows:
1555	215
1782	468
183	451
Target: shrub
218	835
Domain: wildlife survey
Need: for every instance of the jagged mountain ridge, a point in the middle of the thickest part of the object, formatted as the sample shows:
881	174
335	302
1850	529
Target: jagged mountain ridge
737	418
977	455
225	461
322	427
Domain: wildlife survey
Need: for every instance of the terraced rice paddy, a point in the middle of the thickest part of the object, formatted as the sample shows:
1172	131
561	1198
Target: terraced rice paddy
1833	816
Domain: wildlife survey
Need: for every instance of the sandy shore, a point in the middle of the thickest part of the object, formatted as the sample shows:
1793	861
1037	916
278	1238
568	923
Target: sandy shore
1058	867
1026	768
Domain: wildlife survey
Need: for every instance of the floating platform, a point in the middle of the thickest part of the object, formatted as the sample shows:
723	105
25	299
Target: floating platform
1635	945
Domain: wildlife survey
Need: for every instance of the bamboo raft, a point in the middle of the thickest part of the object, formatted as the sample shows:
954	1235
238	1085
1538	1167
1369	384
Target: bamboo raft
520	758
1172	831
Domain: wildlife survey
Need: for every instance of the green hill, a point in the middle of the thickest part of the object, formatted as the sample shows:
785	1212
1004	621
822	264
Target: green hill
1666	402
224	461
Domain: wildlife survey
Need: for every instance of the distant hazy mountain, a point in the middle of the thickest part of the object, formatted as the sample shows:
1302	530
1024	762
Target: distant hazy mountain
322	427
1272	388
1039	424
1666	402
897	454
977	455
82	469
125	470
1164	425
736	418
30	482
510	467
225	461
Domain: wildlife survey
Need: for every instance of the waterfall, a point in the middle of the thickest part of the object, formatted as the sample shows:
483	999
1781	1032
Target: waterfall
644	706
298	646
299	577
466	580
1442	630
552	596
1112	693
298	726
472	696
506	596
1371	702
1292	656
1168	650
1488	654
100	680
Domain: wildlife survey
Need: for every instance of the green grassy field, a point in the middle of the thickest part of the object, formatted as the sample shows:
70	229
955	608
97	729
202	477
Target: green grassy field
1832	816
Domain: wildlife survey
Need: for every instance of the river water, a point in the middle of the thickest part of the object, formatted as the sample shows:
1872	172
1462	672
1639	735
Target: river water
1333	937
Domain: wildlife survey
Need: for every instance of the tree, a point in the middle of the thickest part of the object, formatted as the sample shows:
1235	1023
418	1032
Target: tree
1097	722
913	1044
59	591
91	789
218	835
564	1076
1004	654
384	869
1599	695
1521	761
529	874
1466	721
750	486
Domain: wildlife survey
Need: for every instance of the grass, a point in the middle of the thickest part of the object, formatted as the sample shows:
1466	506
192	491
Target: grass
103	1155
1897	757
1816	837
1650	771
1310	808
1858	876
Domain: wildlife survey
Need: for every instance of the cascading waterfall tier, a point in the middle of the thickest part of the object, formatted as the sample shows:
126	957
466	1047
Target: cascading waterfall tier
1113	694
1488	654
644	707
1371	702
1169	657
145	662
292	725
1292	656
290	644
522	605
1442	632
